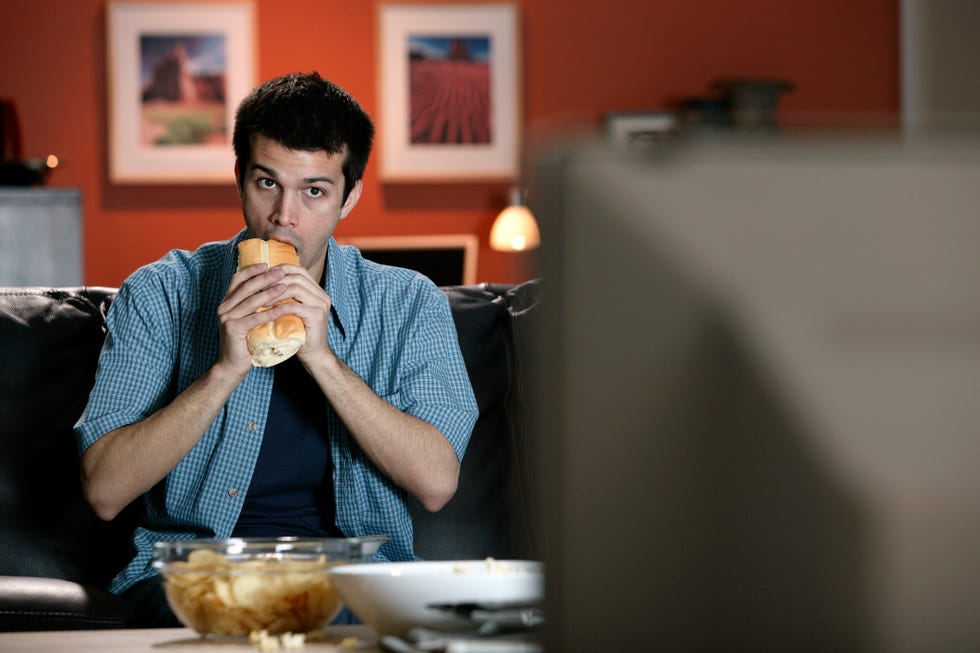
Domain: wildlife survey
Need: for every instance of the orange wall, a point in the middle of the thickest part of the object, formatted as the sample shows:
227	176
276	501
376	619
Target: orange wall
581	58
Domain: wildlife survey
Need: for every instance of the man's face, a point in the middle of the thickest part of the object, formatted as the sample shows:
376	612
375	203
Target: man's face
296	197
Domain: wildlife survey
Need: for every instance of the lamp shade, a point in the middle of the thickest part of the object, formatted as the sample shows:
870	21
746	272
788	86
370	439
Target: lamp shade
515	229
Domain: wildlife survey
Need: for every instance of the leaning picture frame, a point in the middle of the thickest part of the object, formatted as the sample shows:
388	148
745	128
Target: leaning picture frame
449	89
175	74
446	259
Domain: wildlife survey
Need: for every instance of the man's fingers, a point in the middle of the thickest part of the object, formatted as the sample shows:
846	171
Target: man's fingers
248	293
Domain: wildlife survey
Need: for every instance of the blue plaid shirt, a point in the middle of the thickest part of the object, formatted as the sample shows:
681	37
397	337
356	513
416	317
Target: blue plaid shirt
391	326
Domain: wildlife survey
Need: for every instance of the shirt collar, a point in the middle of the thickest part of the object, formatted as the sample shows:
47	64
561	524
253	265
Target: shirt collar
233	253
336	285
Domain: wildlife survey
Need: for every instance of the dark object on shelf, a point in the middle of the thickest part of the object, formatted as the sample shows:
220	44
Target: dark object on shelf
26	172
706	113
754	100
10	138
15	170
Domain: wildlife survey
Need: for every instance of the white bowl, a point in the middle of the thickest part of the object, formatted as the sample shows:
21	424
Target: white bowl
393	597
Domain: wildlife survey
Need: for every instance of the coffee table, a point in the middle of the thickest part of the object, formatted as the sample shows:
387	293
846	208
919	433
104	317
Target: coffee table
175	640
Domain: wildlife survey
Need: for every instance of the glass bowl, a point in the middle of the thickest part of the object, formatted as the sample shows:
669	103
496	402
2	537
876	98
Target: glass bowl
238	587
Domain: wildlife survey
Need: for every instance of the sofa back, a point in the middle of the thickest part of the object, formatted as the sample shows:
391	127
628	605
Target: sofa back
50	340
490	514
49	344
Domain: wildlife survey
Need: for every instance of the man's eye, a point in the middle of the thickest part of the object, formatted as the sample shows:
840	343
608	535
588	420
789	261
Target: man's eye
265	182
313	191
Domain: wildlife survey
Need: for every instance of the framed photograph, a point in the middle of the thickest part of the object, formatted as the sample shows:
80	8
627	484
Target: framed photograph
640	128
449	260
176	73
449	92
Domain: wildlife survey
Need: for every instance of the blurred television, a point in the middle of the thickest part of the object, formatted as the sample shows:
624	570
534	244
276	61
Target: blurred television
757	409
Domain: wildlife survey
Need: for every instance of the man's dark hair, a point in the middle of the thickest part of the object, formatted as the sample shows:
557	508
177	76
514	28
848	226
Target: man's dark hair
303	111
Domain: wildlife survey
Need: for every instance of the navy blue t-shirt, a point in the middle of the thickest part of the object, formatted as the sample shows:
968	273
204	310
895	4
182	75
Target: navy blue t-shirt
292	487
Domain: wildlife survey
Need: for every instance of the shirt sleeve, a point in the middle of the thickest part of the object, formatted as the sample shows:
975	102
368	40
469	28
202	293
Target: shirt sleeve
433	384
133	376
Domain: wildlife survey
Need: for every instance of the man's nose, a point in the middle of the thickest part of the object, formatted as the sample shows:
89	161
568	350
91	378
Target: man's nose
286	209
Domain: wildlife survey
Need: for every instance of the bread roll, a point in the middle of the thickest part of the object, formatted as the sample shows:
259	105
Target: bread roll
273	342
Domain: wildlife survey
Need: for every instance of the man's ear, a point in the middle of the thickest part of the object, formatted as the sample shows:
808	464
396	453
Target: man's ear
355	194
238	179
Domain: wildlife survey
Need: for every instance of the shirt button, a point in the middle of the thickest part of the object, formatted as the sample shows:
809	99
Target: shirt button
233	492
252	426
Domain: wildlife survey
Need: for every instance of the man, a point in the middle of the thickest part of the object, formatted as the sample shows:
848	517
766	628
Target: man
375	404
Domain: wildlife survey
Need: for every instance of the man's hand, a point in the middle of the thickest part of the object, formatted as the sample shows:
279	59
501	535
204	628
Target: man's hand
250	289
312	306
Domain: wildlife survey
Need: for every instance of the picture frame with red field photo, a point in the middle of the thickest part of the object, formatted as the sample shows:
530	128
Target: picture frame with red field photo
449	85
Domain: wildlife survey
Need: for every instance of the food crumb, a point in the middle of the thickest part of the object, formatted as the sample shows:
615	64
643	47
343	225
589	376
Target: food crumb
266	642
292	641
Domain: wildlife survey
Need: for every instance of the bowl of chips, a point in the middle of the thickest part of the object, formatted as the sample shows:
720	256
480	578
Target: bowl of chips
243	586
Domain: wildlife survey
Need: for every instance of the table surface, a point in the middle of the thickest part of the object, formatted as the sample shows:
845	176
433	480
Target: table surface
178	640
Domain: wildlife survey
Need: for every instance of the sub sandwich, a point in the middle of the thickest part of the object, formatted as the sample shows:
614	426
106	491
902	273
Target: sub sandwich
273	342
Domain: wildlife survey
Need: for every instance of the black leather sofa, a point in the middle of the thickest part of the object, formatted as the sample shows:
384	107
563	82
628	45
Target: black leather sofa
56	556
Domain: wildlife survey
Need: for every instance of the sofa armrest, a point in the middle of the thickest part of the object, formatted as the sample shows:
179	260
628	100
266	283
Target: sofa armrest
28	603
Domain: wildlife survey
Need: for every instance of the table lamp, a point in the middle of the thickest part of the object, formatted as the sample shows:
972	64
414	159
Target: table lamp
515	229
